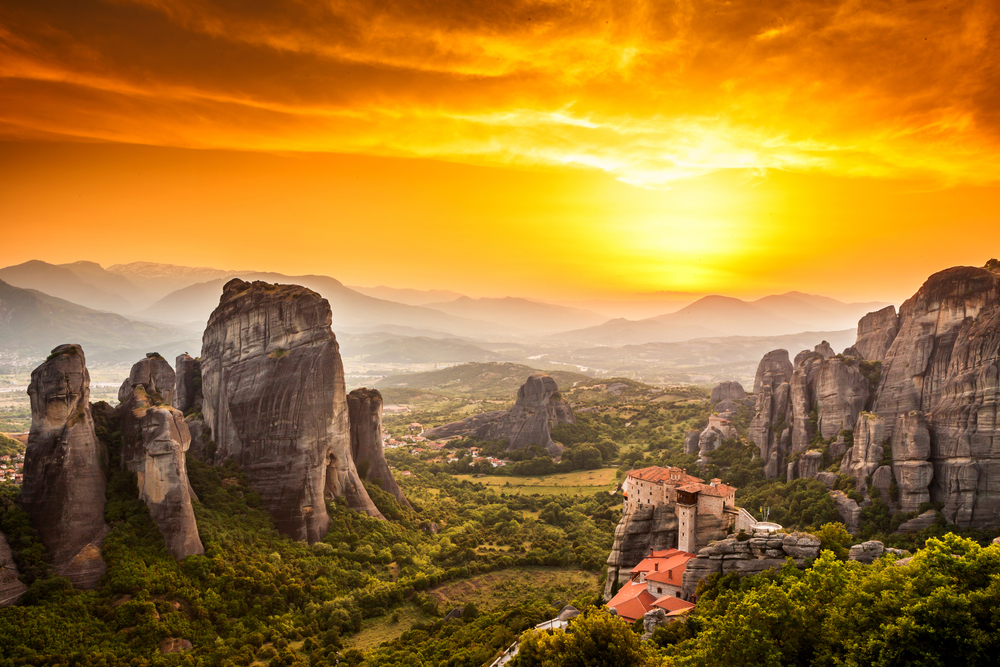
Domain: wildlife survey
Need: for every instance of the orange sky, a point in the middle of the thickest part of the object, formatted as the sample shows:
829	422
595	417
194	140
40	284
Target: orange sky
558	150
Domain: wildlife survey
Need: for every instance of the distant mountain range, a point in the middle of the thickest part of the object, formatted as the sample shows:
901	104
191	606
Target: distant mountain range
714	316
33	323
123	310
483	380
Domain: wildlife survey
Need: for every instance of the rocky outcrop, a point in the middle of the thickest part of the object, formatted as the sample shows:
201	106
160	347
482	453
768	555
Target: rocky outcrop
365	413
709	440
465	426
763	551
883	479
537	409
806	467
652	527
911	447
864	458
918	523
876	332
691	440
276	404
154	441
11	588
942	370
849	510
866	552
64	475
156	377
187	388
823	396
727	391
769	426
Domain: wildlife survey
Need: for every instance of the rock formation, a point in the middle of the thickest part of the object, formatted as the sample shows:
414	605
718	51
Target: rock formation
64	476
940	385
821	395
11	588
538	408
866	552
862	459
652	527
727	391
154	441
769	426
876	332
365	413
763	551
187	388
691	440
275	401
806	467
920	522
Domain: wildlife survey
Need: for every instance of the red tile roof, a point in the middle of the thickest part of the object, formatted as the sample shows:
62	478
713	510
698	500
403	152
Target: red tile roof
673	604
718	491
659	474
632	601
648	564
672	570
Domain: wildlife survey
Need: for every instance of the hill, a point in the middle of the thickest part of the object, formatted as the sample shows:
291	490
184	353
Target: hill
533	315
412	297
478	379
387	348
84	283
350	309
32	323
717	316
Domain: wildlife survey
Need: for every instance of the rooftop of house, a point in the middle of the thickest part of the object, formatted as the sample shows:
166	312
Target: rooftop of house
671	570
716	488
673	605
632	601
659	475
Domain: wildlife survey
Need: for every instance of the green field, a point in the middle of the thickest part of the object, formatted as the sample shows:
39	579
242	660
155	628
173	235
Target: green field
580	481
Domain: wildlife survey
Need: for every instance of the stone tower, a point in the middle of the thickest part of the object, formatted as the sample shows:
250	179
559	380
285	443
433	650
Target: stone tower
687	523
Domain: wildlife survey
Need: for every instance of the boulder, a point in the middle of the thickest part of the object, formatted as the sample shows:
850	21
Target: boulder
691	440
276	404
64	477
850	511
652	620
925	520
187	386
11	588
537	408
727	391
155	438
866	552
365	413
876	332
824	350
174	645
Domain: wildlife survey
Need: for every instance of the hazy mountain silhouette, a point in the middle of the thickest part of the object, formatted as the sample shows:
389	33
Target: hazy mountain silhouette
82	283
524	313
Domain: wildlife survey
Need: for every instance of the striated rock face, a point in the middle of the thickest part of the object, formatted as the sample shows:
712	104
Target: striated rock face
850	511
763	551
728	391
11	588
365	411
944	364
186	390
275	401
775	364
64	475
532	417
911	446
154	441
823	396
691	440
865	456
876	332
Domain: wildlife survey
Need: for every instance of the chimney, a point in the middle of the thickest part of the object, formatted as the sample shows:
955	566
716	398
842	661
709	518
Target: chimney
716	481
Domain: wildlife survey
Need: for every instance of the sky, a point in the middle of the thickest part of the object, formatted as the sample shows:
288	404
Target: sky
556	150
